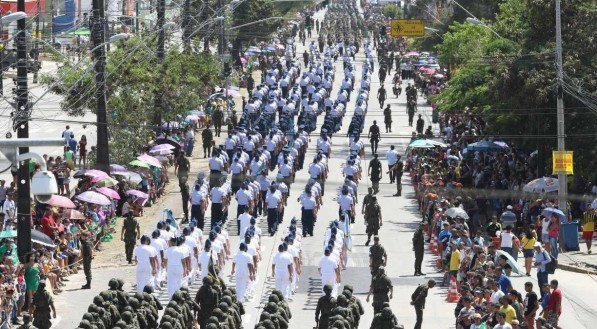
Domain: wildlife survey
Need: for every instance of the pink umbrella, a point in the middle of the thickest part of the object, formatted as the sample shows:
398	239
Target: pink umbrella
152	161
61	202
94	197
96	173
138	194
161	147
117	167
110	193
411	54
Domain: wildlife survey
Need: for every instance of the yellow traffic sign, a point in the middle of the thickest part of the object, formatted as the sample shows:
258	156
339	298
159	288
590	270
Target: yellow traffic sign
407	28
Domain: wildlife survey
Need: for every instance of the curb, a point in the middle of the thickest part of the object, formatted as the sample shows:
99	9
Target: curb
576	269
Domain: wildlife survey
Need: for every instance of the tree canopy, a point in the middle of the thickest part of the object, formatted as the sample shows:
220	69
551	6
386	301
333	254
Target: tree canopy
511	80
133	79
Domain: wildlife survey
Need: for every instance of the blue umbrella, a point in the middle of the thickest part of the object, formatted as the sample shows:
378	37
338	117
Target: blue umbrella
425	143
254	50
548	212
484	146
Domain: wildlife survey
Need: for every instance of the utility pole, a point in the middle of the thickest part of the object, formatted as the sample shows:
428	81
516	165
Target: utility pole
221	39
159	101
137	9
36	47
2	54
186	25
562	176
106	22
21	125
99	56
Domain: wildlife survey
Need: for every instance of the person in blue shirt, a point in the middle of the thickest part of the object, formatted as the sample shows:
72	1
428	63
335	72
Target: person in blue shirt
72	143
445	235
546	292
504	279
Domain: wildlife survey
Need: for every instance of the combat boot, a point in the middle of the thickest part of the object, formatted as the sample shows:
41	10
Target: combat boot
87	285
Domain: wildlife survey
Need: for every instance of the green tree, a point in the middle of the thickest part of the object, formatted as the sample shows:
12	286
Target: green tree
132	81
251	11
511	81
392	11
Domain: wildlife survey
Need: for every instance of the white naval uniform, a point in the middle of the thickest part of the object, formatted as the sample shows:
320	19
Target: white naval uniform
160	245
282	277
242	261
204	259
328	268
174	276
191	243
143	254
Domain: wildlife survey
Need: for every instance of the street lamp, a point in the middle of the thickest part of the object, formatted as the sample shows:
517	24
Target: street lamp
113	39
259	21
7	20
13	17
43	183
475	21
119	36
170	26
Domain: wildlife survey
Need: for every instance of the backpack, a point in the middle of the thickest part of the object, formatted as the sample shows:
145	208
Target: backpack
552	265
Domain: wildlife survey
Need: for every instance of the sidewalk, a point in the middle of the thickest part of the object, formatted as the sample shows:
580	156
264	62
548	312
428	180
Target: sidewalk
579	261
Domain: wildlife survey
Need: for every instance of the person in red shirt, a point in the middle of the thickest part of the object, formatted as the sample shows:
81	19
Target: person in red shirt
554	307
48	225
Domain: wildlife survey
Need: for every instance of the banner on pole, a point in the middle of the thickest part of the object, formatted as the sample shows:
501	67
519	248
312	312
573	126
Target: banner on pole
563	162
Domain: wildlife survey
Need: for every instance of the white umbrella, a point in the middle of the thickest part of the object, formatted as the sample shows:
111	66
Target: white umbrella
510	260
542	185
456	212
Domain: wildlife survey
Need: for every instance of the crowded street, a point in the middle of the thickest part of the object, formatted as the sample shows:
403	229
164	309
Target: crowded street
328	191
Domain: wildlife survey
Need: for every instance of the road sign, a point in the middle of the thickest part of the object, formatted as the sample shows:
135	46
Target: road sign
407	28
563	162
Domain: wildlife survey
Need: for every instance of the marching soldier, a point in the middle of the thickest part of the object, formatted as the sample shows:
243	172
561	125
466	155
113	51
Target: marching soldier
381	285
42	304
130	234
325	305
377	256
418	300
207	138
185	196
375	171
387	118
367	199
419	249
385	320
411	108
398	171
87	255
218	119
373	218
208	299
